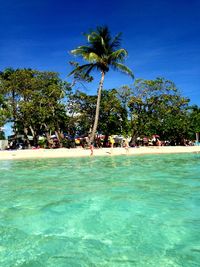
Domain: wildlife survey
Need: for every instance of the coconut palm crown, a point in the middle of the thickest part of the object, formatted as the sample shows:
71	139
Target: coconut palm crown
102	52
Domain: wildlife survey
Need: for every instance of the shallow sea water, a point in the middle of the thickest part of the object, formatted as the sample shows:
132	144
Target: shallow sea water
141	211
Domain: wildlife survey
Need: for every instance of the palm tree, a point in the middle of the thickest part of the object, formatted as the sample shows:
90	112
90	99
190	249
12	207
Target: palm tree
101	52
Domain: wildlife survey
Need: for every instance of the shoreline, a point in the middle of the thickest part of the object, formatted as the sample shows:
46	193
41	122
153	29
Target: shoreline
80	152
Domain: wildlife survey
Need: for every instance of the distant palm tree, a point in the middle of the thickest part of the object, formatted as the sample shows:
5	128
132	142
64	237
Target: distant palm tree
101	53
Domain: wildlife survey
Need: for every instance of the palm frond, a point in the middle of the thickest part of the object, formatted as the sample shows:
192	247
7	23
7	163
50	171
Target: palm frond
102	51
80	50
103	43
82	68
92	37
116	41
122	68
93	57
118	55
89	69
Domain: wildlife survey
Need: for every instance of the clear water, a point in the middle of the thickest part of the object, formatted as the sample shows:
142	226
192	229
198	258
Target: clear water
114	211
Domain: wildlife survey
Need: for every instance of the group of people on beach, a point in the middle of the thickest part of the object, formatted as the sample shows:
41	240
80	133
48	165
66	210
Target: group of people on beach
125	144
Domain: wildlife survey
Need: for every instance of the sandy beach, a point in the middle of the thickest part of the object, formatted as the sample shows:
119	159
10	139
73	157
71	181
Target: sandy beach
79	152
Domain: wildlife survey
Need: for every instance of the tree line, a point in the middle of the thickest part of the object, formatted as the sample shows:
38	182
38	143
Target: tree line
40	103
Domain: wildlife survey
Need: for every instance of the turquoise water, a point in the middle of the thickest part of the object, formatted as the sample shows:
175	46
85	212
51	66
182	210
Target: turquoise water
115	211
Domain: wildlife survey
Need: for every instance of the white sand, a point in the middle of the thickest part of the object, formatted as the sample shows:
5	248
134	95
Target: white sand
79	152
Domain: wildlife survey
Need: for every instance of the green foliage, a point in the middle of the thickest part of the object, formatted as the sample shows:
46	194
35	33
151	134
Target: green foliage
4	107
40	103
194	120
81	108
158	108
68	143
42	143
113	116
2	135
35	100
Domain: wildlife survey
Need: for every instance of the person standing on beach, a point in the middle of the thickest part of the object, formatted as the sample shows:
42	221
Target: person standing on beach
126	145
91	149
112	141
158	143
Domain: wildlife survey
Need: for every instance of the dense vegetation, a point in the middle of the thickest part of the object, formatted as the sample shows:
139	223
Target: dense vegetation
40	103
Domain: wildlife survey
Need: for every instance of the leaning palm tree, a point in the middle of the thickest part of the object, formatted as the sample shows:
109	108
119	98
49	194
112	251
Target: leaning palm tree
101	52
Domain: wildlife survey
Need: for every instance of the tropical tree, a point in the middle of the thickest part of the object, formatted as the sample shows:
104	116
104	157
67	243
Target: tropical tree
4	112
33	101
194	121
40	109
81	110
157	107
113	115
102	52
11	96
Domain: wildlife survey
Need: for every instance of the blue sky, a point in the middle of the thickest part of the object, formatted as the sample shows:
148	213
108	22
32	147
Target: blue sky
162	37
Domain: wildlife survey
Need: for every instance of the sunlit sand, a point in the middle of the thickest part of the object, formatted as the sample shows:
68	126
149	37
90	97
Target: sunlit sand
79	152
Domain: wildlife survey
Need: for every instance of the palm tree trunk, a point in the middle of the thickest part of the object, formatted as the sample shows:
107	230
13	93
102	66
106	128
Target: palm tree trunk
94	129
